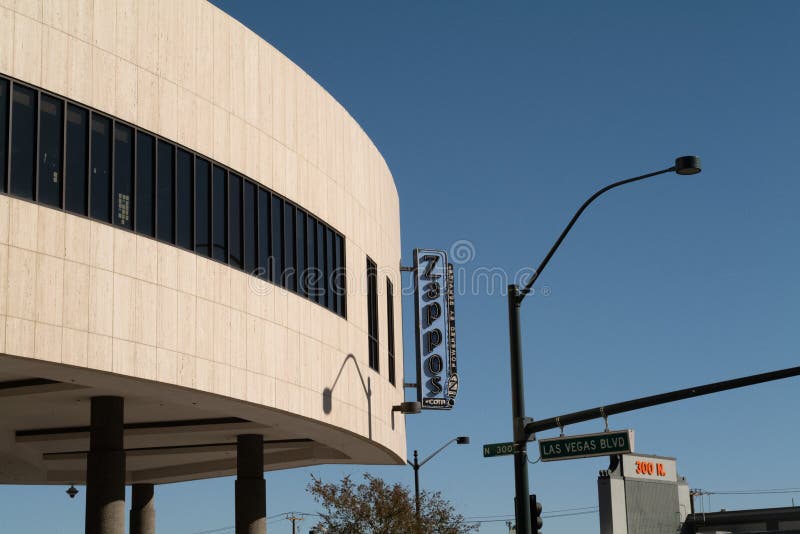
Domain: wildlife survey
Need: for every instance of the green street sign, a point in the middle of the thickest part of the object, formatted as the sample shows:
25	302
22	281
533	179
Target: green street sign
498	449
586	445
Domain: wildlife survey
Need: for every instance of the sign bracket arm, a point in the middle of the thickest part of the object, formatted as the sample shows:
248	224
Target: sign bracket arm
655	400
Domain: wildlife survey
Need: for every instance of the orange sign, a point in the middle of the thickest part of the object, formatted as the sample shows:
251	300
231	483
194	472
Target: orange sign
650	468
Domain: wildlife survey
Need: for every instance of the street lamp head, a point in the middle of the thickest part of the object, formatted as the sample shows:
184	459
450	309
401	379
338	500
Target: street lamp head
407	408
686	165
462	440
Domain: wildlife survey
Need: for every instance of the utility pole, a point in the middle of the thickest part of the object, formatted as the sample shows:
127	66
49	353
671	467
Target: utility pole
294	520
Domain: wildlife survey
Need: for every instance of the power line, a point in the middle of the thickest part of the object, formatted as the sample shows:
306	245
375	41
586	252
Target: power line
490	520
573	509
494	516
755	492
479	519
283	516
746	491
570	514
553	515
214	530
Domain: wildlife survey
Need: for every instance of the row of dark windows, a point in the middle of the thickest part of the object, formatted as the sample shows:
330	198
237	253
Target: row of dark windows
67	156
372	320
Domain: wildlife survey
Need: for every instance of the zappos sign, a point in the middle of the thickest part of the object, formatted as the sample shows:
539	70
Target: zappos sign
437	373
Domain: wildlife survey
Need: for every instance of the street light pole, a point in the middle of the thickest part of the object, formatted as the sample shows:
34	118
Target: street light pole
522	510
416	488
460	440
685	165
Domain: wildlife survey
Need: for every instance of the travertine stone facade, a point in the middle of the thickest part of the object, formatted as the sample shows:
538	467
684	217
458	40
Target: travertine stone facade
86	294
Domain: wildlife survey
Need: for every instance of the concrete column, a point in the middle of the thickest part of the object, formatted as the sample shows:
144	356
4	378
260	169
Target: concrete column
143	511
105	468
251	489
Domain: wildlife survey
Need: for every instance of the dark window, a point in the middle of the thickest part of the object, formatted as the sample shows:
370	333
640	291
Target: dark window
312	275
77	191
185	165
23	142
390	327
123	176
263	234
235	219
51	130
203	207
289	258
330	262
372	313
300	251
3	134
165	203
340	277
322	275
100	179
219	199
277	241
250	226
146	184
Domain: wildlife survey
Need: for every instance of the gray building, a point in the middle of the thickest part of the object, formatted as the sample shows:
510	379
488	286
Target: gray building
642	494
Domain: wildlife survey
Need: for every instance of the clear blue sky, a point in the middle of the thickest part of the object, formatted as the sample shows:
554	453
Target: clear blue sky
507	115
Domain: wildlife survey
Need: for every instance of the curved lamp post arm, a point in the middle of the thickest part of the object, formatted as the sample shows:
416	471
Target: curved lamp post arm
527	289
461	440
440	449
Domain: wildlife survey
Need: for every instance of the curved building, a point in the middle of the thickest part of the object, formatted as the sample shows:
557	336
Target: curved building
198	250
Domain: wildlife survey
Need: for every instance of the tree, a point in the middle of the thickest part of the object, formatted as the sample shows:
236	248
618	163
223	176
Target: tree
375	507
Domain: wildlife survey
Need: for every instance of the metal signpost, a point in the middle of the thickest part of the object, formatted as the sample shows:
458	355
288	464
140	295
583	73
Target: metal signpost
586	445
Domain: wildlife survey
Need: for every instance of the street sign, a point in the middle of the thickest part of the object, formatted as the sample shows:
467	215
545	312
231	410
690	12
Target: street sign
498	449
586	445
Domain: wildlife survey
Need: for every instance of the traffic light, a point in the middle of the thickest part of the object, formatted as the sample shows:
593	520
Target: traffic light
536	514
